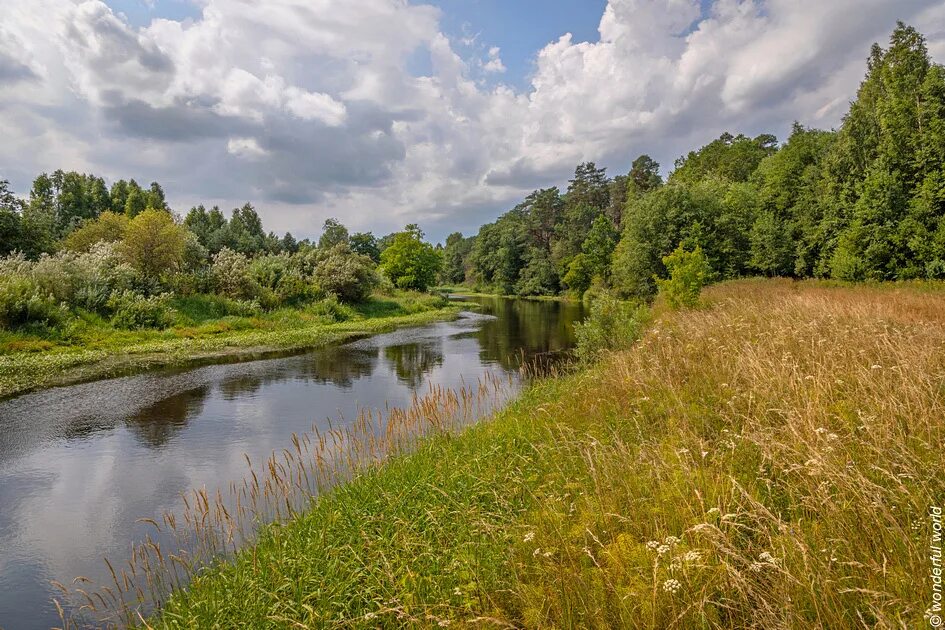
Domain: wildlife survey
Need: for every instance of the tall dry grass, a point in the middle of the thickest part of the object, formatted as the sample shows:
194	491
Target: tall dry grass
768	461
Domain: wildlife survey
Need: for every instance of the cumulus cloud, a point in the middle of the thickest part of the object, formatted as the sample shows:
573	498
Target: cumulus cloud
308	108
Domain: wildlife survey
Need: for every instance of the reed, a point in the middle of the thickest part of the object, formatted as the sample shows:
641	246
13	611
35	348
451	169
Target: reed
212	527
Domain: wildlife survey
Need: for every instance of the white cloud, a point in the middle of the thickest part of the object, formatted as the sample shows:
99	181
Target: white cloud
308	107
494	64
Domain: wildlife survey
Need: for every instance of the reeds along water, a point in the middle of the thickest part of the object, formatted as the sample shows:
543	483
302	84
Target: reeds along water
210	526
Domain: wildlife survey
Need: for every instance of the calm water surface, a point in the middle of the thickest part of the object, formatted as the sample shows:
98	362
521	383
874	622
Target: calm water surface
80	464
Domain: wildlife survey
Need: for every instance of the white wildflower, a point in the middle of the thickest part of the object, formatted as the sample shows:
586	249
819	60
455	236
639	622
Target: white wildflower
530	536
764	556
671	586
672	541
653	545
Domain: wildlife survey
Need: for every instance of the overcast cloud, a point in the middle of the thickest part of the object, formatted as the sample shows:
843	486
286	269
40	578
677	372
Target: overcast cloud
309	109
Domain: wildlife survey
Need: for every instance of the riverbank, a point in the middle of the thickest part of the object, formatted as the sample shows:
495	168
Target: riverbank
98	351
769	460
469	292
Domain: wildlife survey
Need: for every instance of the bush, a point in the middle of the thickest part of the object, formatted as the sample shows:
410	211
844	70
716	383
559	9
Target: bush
231	275
612	325
341	272
134	311
282	280
331	309
409	262
22	303
688	273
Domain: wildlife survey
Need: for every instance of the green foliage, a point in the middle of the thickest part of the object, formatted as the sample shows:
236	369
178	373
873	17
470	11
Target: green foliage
108	227
365	243
231	275
733	158
132	311
333	233
613	324
599	246
343	273
579	276
153	243
23	303
688	273
409	262
539	276
455	254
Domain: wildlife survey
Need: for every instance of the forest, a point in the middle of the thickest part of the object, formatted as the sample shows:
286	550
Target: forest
864	202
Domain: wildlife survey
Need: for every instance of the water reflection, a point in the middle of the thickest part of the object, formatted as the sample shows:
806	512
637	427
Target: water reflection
79	465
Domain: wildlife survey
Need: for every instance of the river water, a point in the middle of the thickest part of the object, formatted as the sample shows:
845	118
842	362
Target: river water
80	465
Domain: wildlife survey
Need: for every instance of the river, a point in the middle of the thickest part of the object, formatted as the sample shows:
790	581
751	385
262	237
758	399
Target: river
80	465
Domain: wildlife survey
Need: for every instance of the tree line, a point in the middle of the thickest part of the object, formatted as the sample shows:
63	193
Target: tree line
77	251
862	202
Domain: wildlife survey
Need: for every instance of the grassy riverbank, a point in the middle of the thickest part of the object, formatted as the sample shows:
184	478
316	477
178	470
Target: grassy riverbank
767	461
203	331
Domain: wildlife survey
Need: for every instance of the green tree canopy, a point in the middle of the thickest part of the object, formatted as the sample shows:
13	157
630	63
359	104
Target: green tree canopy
409	262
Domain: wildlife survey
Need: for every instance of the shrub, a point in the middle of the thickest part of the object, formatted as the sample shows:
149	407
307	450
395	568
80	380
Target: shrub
22	303
231	275
331	309
108	227
612	325
343	273
409	262
688	273
153	243
133	311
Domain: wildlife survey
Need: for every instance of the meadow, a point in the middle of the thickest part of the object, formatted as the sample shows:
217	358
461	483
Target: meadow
768	459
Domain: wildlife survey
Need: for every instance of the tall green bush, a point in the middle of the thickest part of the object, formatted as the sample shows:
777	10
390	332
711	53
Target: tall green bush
688	273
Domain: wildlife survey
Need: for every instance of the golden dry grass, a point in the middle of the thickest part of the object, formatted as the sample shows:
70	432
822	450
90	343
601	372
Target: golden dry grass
768	461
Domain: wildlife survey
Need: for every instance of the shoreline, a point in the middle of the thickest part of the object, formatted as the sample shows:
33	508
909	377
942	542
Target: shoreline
23	373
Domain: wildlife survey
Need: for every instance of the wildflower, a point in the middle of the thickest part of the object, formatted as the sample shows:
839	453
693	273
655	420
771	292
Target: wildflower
537	551
692	556
662	549
764	556
671	586
530	536
443	623
820	430
808	378
652	545
832	436
457	591
672	541
876	367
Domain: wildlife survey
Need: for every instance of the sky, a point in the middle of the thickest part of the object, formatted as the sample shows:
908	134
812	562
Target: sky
444	113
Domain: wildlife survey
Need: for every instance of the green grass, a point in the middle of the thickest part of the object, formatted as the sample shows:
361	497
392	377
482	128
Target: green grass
204	329
768	460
